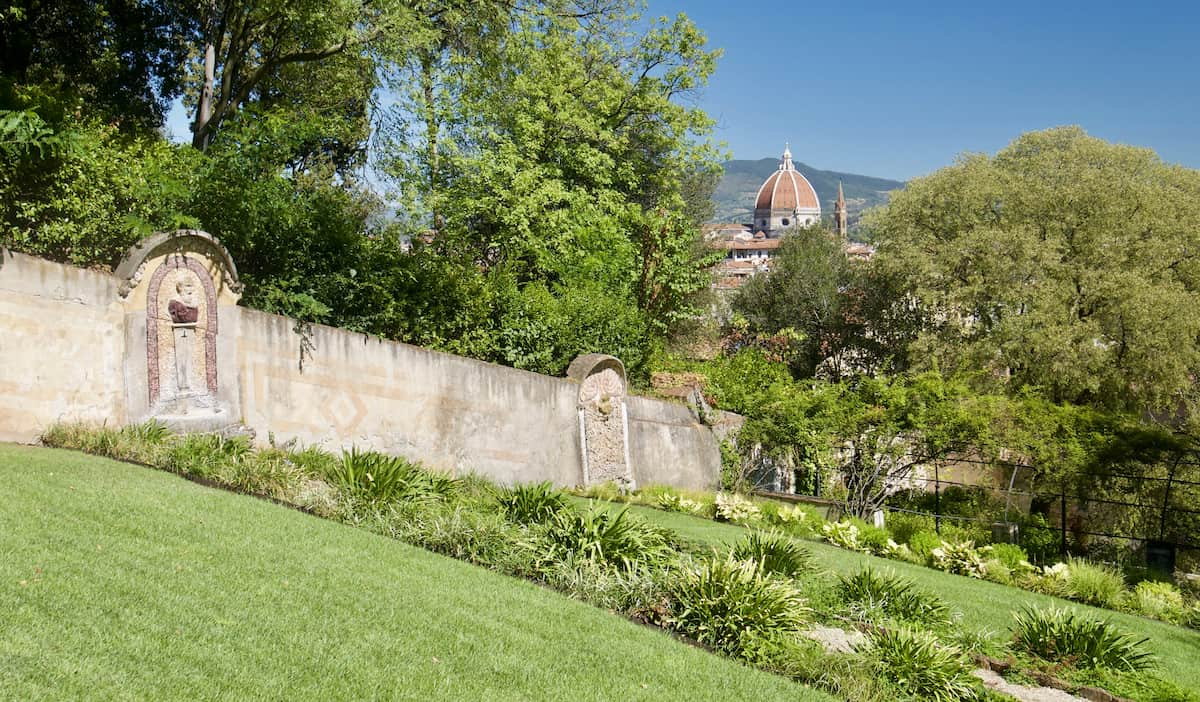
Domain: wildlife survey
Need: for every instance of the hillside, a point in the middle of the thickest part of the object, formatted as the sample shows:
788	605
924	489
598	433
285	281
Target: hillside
735	193
125	583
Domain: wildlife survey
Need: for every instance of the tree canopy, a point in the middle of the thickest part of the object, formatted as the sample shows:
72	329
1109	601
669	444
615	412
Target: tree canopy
1064	263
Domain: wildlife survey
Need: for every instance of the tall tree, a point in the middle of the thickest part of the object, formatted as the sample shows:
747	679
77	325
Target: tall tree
243	45
118	60
1064	263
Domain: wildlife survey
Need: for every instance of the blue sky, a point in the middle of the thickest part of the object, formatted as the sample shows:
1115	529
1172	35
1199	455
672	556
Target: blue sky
897	89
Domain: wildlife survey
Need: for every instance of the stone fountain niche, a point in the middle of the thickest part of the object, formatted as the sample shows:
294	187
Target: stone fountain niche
603	419
180	291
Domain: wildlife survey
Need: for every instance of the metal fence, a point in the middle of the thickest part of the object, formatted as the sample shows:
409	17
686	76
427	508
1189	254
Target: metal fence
1120	515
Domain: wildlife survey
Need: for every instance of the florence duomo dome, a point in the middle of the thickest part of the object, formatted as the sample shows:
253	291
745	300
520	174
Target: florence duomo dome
785	199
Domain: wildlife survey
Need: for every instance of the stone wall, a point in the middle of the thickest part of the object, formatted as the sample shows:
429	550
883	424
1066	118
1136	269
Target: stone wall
76	346
62	346
448	411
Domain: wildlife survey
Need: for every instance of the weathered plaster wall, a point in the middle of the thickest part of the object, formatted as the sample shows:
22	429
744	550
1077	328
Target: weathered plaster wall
669	446
450	412
69	343
61	346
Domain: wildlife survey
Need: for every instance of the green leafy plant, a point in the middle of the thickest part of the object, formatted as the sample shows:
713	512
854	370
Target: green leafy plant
206	455
531	503
923	542
870	537
723	601
959	558
673	502
614	538
1092	583
374	477
1062	636
774	553
918	663
892	596
1011	555
732	507
842	533
1157	600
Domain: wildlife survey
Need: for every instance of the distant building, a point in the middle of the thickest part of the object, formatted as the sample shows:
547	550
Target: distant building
786	199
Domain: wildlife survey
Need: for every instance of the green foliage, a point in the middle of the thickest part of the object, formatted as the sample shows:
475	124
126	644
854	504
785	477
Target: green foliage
89	203
206	455
1062	636
612	538
843	315
842	533
774	553
959	558
871	537
642	592
903	526
376	478
1157	600
678	503
721	603
1052	229
732	507
922	666
797	520
1139	685
869	593
1039	539
843	676
532	503
458	532
1093	583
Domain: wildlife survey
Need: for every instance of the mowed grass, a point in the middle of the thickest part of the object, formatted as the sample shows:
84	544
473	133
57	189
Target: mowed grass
985	606
124	583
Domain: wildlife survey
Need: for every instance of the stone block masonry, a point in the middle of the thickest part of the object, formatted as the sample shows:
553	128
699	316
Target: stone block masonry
164	338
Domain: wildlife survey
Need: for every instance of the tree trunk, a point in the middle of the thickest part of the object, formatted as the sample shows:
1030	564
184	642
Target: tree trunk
431	133
200	129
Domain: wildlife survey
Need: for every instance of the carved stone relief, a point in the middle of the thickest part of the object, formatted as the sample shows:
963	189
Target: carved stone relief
181	337
174	288
603	420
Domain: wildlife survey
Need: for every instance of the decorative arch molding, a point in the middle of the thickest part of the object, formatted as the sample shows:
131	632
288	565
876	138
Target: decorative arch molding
132	266
180	290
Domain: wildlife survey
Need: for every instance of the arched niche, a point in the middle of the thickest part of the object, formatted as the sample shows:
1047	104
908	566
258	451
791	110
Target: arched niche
603	419
180	290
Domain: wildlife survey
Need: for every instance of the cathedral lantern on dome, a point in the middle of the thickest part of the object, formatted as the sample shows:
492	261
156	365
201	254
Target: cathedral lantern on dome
786	199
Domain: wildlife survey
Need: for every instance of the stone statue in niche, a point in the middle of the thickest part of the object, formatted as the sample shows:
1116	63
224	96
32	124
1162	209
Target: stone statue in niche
184	310
181	331
174	287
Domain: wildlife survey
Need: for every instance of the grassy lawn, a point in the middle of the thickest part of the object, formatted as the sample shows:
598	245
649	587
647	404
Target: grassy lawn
120	582
984	606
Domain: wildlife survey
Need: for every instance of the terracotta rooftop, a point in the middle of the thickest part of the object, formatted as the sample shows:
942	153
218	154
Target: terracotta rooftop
786	189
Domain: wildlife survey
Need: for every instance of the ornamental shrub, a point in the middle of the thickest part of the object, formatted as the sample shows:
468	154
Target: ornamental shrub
774	553
723	602
958	558
922	543
893	597
531	503
1157	600
843	533
613	538
1093	584
734	508
1064	637
376	478
918	663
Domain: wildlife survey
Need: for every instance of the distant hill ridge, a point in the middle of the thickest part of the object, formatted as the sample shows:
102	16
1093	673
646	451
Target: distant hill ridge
734	196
